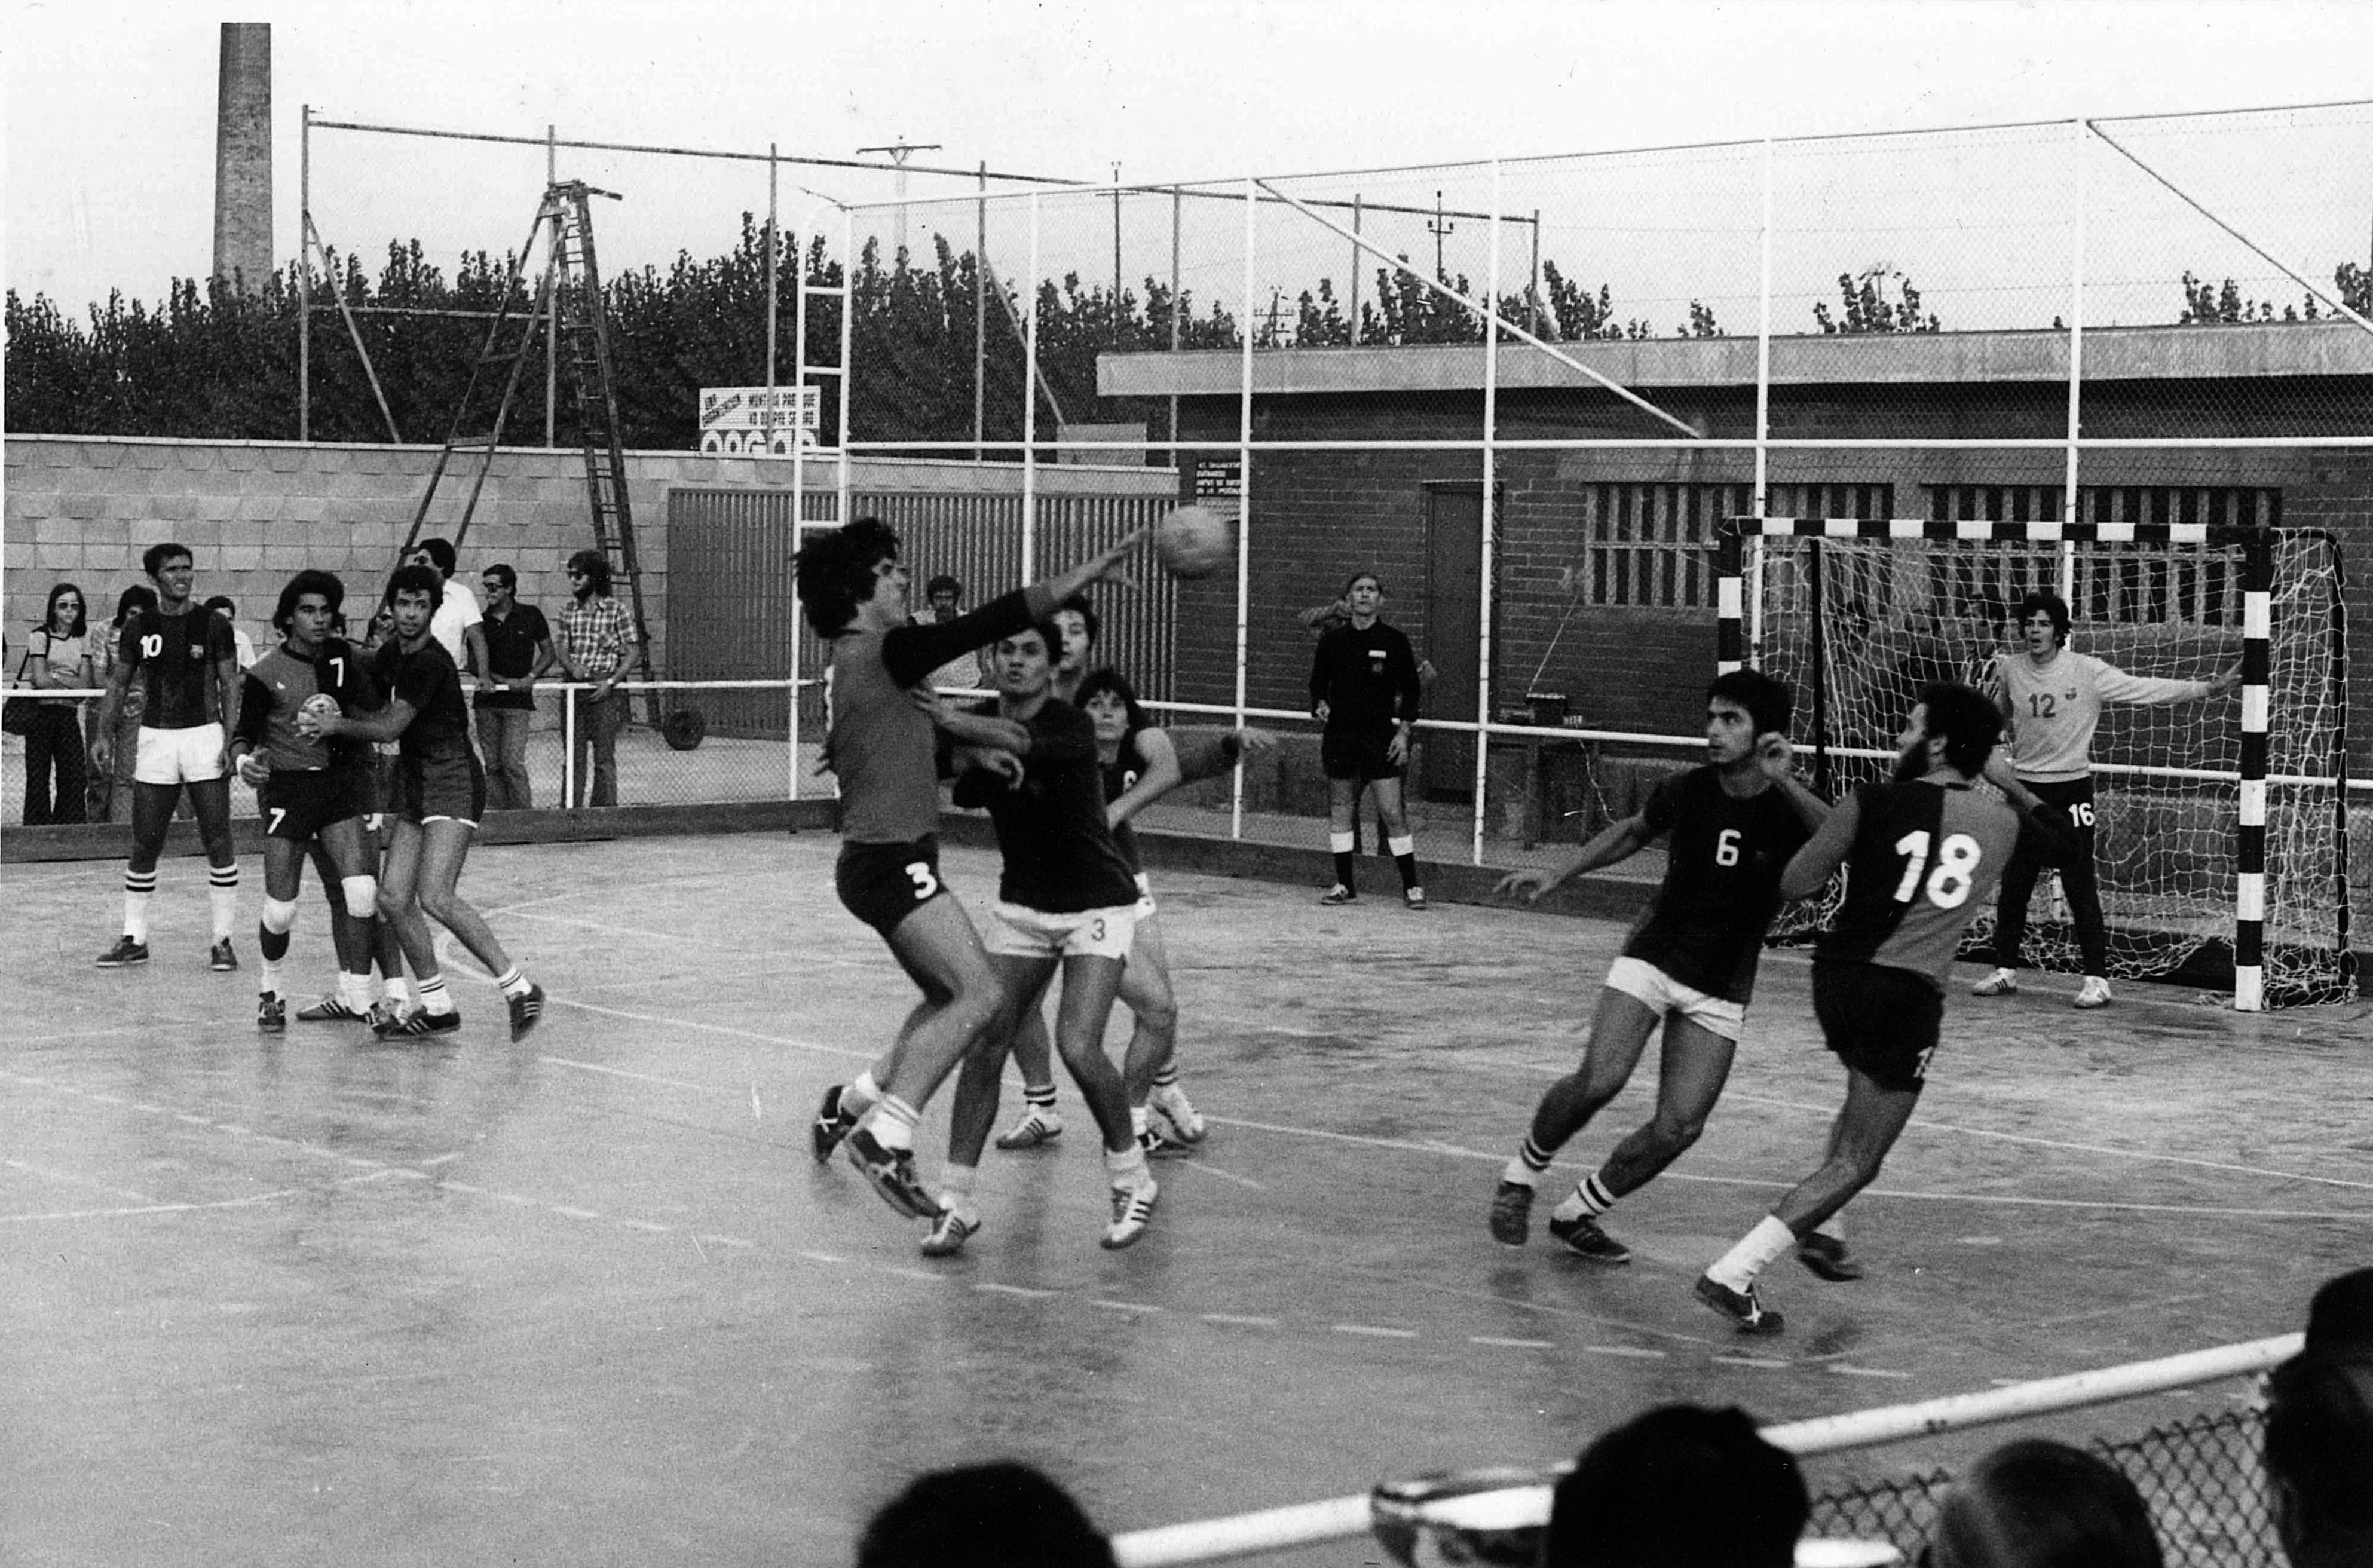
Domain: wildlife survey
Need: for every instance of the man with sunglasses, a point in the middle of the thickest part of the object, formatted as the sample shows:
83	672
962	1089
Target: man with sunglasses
518	641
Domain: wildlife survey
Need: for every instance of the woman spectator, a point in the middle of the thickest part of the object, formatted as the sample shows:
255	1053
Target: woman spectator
57	657
116	780
2036	1503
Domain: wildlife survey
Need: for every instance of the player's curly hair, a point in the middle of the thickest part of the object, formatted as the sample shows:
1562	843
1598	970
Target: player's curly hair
416	580
1768	702
313	579
834	572
1971	725
2044	602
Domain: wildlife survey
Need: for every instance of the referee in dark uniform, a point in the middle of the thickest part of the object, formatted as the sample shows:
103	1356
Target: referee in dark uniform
1365	690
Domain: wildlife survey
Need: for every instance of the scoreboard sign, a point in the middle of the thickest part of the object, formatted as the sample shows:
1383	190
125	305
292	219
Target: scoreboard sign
740	421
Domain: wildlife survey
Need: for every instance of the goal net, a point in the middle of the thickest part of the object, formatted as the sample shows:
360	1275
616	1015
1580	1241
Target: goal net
1858	614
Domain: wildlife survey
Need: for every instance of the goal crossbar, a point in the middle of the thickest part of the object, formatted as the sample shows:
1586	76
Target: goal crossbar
2256	548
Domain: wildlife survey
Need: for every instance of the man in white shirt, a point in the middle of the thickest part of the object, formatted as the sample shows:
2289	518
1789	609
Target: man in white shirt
2053	700
457	621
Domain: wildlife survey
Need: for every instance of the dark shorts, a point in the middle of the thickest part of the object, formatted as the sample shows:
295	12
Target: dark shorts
1358	754
884	884
429	792
1883	1022
295	806
2071	801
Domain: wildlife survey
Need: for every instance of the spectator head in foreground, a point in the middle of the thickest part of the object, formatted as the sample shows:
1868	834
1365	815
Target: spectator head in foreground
982	1517
2320	1459
2034	1503
1678	1487
2339	1319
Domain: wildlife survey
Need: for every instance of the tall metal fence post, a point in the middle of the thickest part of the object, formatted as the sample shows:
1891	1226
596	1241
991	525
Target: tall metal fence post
2068	507
1030	402
1485	538
568	746
1244	501
304	273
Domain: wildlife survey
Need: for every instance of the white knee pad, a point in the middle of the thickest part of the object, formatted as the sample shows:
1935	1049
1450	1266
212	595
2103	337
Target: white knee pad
279	915
362	895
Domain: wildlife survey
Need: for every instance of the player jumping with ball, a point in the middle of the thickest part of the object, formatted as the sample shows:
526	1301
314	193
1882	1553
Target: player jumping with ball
1688	965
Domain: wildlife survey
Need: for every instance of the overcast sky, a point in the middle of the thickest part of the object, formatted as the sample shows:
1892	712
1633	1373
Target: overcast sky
110	108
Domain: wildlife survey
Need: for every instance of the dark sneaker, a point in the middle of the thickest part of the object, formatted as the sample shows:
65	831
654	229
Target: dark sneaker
1132	1211
1827	1255
125	951
1035	1127
1338	894
527	1012
949	1233
417	1021
891	1172
1742	1307
270	1013
1585	1239
1511	1213
221	959
1159	1145
328	1009
832	1125
384	1015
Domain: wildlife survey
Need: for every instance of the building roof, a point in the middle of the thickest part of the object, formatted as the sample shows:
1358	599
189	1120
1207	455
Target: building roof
2110	354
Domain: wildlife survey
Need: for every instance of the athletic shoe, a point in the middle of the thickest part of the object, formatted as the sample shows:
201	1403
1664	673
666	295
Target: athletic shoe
417	1021
1159	1145
1036	1127
1511	1213
1170	1109
270	1013
222	960
2001	982
1132	1210
1585	1239
384	1015
1414	898
949	1233
1338	894
1742	1307
527	1012
832	1125
891	1172
1827	1255
330	1010
2094	993
125	951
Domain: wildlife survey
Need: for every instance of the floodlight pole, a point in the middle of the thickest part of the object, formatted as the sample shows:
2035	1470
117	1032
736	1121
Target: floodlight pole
2076	368
900	151
1358	202
981	318
767	425
304	273
551	299
1485	630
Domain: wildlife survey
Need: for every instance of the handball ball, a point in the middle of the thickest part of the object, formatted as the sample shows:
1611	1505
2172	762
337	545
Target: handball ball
320	704
1195	541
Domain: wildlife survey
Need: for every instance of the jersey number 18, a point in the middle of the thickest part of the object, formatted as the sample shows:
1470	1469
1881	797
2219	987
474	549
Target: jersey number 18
1952	877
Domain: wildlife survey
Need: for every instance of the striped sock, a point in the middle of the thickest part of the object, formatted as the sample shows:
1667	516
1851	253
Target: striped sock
137	888
511	982
1531	1162
1589	1198
1041	1097
222	896
1167	1076
434	997
892	1123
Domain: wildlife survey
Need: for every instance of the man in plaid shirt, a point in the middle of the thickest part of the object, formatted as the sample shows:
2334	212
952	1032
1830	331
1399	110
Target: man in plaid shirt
597	644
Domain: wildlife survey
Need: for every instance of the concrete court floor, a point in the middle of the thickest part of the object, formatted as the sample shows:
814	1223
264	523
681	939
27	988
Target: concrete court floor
587	1300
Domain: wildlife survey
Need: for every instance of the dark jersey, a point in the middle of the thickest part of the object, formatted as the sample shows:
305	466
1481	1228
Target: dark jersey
1119	776
277	687
1367	679
511	642
174	658
1924	862
428	681
1060	855
1723	858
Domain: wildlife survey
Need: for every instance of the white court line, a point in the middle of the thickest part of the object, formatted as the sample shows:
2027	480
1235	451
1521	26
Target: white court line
1238	1320
842	1051
1026	1292
254	1200
1495	1339
69	1179
1123	1305
1373	1331
1868	1372
1633	1352
117	1032
636	1077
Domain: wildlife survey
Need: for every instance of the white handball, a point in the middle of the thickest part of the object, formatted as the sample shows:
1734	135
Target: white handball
1194	541
318	707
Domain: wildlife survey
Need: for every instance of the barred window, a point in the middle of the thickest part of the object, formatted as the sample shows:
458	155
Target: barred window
1649	543
2115	584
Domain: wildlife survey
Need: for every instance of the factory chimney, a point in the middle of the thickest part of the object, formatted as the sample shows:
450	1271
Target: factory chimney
243	156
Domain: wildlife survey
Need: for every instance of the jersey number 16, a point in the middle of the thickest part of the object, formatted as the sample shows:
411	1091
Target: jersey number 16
1952	877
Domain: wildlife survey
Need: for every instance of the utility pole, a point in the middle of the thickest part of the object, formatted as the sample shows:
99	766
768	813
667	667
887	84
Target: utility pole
900	151
1438	227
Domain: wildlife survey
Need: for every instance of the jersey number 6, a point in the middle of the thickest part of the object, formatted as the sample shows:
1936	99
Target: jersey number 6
1725	848
1953	876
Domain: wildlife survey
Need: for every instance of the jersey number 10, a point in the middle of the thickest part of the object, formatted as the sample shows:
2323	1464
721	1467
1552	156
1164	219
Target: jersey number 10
1950	880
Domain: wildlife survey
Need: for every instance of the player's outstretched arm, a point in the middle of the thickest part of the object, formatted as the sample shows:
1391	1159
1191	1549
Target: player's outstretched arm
1810	868
387	724
1617	841
1094	570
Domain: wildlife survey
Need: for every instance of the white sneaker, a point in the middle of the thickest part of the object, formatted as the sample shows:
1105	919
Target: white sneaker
949	1233
1035	1127
1132	1210
2001	982
1170	1105
2094	993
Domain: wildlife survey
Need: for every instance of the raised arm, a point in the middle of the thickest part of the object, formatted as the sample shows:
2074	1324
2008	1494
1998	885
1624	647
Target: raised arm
1809	868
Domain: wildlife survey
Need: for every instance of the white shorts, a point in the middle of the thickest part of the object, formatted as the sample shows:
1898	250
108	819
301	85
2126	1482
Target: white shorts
1091	933
180	756
1143	910
1663	994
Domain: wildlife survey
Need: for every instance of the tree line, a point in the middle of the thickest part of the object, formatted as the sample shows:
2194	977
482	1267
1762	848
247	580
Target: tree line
218	362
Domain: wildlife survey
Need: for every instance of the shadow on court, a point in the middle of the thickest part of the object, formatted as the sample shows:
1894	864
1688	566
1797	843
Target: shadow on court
295	1299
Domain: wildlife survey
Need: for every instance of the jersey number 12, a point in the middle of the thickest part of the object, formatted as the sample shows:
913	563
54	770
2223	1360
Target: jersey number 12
1952	877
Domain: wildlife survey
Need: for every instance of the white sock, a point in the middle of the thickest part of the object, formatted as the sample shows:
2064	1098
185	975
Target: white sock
434	998
354	990
1137	1121
135	917
267	977
511	982
892	1123
955	1187
1127	1168
396	990
1755	1252
860	1095
222	899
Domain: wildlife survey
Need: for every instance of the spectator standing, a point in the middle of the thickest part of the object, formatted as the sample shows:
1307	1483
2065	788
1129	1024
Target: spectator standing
597	644
1364	692
518	642
457	614
111	784
944	602
57	657
223	606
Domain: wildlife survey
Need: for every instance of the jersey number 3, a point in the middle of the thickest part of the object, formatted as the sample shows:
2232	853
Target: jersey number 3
1952	877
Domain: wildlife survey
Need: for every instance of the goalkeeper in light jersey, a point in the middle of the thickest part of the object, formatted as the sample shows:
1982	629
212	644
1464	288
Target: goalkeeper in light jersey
2052	700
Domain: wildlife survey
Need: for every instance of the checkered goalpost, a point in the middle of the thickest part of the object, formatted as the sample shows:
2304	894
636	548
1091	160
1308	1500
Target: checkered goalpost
2213	828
